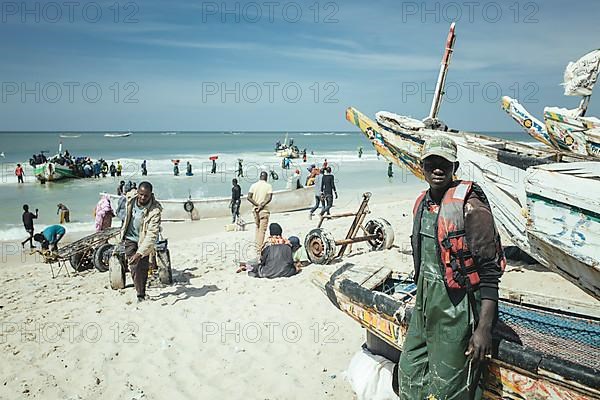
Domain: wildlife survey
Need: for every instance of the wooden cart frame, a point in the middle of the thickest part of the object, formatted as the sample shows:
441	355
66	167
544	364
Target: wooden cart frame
321	247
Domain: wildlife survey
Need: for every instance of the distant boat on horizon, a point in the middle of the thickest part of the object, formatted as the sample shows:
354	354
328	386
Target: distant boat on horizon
65	136
169	133
116	135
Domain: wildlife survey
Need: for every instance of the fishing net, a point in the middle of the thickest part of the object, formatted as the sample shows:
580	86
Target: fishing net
570	338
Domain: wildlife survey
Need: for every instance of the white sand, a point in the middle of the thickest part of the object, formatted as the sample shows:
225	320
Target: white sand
214	334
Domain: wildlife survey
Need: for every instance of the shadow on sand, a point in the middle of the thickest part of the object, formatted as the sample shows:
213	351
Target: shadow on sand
185	291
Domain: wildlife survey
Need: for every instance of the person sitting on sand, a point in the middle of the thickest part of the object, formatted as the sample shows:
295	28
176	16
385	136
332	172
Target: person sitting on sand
139	234
276	259
296	252
50	237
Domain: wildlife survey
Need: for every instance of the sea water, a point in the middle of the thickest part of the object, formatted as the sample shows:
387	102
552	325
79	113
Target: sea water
354	175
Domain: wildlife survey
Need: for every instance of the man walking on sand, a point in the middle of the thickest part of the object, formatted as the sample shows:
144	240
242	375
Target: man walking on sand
328	189
458	261
28	218
139	233
260	195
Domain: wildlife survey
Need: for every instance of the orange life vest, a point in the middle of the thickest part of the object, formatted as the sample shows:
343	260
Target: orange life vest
455	259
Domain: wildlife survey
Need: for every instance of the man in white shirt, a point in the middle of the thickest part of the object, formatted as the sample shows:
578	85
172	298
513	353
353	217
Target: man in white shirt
260	195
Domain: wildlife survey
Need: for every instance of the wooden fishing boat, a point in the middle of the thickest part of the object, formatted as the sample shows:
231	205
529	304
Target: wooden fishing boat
538	354
501	168
564	129
507	173
285	150
196	209
118	135
50	171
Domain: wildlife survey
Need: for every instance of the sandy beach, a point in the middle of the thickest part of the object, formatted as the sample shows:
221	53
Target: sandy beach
214	333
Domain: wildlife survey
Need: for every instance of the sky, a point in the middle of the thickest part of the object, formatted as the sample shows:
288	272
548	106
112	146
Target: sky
281	65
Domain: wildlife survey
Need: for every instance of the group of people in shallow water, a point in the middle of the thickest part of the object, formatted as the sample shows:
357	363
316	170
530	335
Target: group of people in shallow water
83	167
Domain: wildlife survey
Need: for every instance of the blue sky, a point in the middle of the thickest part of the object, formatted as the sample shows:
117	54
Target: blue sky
194	65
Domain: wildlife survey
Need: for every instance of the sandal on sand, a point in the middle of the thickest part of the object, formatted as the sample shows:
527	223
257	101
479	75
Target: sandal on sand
241	268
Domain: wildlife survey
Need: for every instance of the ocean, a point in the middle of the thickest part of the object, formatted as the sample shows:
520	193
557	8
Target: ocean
353	174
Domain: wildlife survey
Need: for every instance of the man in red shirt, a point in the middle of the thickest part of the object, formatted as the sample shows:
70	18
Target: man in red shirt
19	173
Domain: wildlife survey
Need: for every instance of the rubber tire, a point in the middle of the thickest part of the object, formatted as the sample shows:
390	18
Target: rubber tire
80	265
163	262
328	251
188	206
116	273
382	227
100	256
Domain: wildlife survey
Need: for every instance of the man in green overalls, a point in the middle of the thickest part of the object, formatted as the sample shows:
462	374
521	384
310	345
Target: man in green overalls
450	331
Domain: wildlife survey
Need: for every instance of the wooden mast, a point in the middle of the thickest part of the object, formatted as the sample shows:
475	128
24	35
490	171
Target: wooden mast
439	88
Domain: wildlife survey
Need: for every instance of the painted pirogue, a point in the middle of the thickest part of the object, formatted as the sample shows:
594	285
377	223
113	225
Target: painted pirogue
538	354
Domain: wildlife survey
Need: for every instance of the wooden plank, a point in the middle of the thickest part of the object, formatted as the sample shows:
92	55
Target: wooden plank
525	297
377	278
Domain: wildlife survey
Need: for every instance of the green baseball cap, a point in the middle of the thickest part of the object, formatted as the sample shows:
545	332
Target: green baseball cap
439	145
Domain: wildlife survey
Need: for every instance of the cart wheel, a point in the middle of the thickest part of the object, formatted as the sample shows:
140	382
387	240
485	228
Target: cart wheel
81	261
102	256
384	232
163	261
116	272
320	246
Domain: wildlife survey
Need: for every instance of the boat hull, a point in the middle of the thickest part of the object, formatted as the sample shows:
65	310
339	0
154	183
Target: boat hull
501	169
563	226
287	153
52	172
515	371
283	201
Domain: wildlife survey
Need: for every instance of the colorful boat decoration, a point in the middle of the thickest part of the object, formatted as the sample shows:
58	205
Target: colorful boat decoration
564	129
537	354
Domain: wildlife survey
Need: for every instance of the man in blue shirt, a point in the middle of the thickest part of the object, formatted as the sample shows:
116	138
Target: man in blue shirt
50	237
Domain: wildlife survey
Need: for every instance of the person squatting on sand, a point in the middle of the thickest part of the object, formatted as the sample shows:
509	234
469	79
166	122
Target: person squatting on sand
50	237
260	195
276	259
103	214
140	232
458	263
28	218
